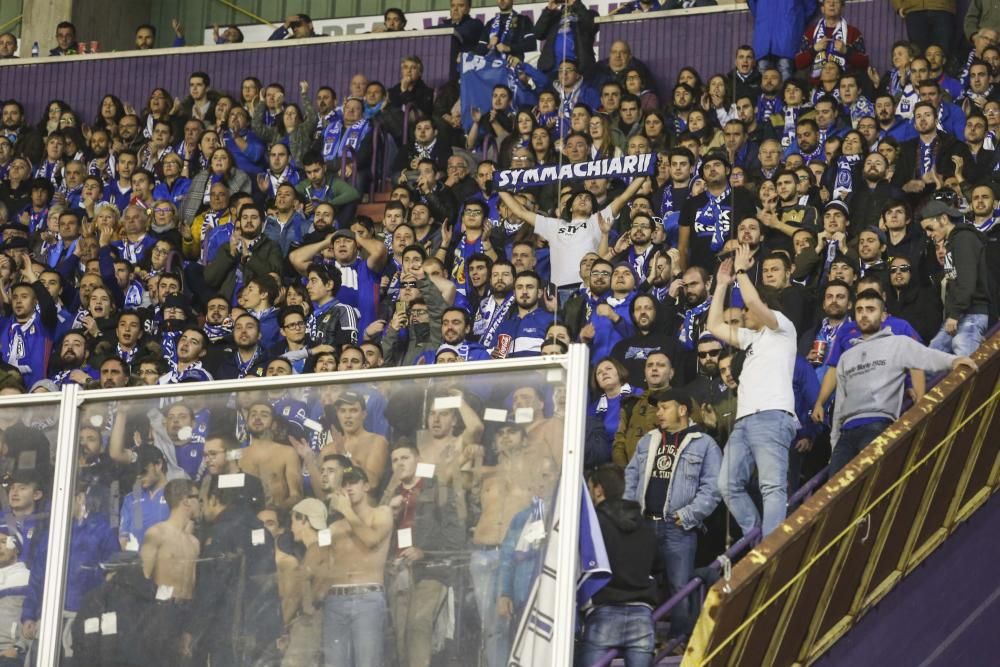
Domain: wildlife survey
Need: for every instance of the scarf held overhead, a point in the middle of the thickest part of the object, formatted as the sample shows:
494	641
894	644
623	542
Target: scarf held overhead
616	167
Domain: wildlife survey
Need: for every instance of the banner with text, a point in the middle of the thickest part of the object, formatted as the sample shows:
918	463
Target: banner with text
627	167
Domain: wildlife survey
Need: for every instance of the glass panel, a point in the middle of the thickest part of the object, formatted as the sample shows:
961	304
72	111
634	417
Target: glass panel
361	524
27	451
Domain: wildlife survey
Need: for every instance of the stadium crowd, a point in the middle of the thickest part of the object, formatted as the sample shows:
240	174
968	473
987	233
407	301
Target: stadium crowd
816	237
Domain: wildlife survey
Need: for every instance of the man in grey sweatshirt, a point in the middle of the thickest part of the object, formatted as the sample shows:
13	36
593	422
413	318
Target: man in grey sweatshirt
870	379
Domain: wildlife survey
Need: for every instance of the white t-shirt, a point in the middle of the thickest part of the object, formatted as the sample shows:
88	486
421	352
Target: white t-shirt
569	242
766	379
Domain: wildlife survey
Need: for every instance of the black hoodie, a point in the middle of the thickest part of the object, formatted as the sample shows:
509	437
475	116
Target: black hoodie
632	552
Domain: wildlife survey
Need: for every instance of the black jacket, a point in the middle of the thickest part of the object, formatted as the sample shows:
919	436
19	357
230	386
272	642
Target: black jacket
969	290
420	97
866	204
909	159
632	553
920	306
236	609
521	41
584	32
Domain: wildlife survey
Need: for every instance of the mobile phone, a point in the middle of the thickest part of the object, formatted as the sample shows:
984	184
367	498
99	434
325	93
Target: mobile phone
550	290
400	308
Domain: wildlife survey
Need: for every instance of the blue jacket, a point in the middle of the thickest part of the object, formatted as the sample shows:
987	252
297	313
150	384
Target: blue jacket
778	26
693	490
289	235
518	569
173	194
92	541
528	332
951	118
252	159
607	334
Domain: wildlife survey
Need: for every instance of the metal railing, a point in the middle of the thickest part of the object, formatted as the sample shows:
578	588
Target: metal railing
876	520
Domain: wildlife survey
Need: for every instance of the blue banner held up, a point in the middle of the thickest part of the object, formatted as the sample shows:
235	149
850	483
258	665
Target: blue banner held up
626	167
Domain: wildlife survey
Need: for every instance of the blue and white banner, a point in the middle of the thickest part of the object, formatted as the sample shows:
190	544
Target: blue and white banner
628	166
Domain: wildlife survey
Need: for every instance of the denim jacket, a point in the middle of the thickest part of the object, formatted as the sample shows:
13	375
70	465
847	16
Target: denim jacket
693	490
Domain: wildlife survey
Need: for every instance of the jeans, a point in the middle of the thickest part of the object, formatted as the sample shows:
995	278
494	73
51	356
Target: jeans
354	630
852	441
968	338
783	65
484	568
677	548
931	27
759	440
628	628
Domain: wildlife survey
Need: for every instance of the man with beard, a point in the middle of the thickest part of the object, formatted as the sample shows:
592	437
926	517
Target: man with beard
27	140
870	379
527	325
984	218
929	155
790	216
871	195
690	302
871	254
707	386
26	334
494	309
638	415
610	321
114	372
255	254
659	276
836	306
807	142
73	357
636	246
275	464
653	333
249	359
912	301
424	308
706	219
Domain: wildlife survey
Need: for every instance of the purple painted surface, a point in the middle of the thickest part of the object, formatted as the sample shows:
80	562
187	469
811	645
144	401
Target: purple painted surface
82	82
709	41
943	614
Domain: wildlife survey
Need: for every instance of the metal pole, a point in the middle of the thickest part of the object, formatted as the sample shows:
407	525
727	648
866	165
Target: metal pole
60	525
574	433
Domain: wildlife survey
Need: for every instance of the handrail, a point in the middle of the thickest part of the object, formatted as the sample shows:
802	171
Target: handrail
374	180
690	587
487	142
350	158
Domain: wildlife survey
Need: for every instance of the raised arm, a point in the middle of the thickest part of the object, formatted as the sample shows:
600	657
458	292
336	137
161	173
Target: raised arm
519	211
715	323
621	200
751	298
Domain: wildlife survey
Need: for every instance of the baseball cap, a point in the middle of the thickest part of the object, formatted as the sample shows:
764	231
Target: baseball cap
876	231
349	397
839	205
344	234
313	510
935	208
666	395
714	156
354	474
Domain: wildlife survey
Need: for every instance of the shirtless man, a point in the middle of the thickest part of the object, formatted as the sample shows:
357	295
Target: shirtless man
222	454
275	464
355	606
446	446
310	582
169	555
502	495
368	450
544	432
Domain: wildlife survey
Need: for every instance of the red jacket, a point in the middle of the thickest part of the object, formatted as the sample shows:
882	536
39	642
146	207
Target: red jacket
855	59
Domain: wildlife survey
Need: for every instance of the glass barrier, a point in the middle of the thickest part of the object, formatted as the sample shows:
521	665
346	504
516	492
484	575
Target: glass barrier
28	428
398	522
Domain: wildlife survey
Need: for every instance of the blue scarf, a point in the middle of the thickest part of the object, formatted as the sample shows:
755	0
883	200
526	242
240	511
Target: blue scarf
502	27
712	215
845	172
463	251
686	335
767	106
489	318
337	137
928	156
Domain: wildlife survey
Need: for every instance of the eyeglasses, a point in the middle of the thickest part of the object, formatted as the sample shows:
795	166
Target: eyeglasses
704	354
473	212
641	227
162	209
295	325
902	268
419	313
606	274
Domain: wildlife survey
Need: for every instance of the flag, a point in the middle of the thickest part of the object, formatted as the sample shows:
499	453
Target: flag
479	75
533	642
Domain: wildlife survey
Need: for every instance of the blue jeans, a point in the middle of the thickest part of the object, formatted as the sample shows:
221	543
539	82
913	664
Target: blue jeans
783	65
354	630
677	548
852	441
484	568
628	628
759	440
968	338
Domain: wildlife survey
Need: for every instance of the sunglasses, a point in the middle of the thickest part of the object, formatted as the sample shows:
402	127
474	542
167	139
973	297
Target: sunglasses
903	268
704	354
407	284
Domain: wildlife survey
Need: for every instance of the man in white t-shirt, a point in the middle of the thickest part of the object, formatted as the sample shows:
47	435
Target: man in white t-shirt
765	405
585	231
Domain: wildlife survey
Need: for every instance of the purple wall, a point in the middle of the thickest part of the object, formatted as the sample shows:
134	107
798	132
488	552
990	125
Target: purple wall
709	41
82	82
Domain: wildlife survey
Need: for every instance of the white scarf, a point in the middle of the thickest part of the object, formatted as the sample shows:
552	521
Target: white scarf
839	32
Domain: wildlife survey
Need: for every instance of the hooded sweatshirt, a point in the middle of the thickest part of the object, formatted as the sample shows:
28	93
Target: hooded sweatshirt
870	377
632	554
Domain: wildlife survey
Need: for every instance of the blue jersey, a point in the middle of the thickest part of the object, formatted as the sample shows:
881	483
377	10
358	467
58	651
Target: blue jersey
528	332
153	507
27	346
360	288
849	335
172	193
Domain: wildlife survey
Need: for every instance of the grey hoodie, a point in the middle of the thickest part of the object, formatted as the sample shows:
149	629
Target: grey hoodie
870	376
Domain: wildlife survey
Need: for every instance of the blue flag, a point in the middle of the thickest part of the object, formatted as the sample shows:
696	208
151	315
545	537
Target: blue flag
479	75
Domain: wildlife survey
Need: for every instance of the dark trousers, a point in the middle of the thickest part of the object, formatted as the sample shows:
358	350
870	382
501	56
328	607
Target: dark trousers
931	27
852	441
